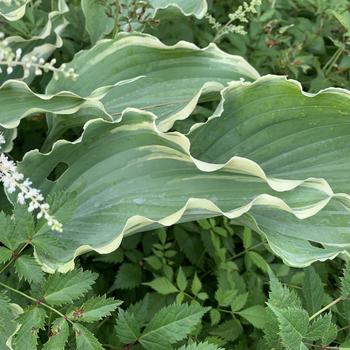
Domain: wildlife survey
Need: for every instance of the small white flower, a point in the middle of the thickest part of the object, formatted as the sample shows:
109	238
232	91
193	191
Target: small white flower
13	181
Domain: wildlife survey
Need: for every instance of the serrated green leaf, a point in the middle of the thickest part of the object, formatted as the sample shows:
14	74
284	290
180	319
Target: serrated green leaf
85	340
239	301
330	335
94	309
280	295
345	346
229	330
129	276
127	327
225	297
29	269
257	260
181	280
31	321
170	325
215	316
58	335
294	324
313	291
247	238
5	255
196	285
162	285
141	310
8	325
345	281
200	346
60	289
319	327
14	228
256	315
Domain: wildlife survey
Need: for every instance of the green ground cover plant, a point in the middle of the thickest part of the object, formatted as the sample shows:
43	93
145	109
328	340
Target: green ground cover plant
174	174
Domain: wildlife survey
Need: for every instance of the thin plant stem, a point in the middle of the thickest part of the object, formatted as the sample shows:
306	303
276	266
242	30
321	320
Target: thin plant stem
39	302
116	19
319	312
15	256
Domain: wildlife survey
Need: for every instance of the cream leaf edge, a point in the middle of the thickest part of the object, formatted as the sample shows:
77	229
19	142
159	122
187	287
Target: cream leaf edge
243	165
16	13
262	79
145	40
198	14
85	102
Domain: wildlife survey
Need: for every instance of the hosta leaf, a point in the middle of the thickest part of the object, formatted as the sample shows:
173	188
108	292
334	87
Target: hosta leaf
31	321
58	335
110	165
172	78
197	8
291	135
9	136
43	40
13	10
19	101
94	309
60	289
85	340
127	327
29	269
97	22
170	325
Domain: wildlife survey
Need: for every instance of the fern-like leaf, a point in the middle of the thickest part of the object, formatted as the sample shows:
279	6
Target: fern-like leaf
127	328
61	289
27	268
31	321
58	336
170	325
85	340
94	309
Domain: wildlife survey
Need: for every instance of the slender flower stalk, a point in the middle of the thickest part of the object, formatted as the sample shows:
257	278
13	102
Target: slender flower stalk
13	181
240	15
11	59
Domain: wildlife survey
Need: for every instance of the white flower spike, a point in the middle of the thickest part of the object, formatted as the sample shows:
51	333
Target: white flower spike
13	180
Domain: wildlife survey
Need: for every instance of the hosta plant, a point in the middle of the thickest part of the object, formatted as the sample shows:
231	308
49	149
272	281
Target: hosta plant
107	132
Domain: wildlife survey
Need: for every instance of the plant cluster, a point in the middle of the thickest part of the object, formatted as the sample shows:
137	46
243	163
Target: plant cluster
163	185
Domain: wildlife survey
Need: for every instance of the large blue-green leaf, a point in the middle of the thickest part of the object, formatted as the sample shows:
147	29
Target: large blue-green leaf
173	78
130	177
291	135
